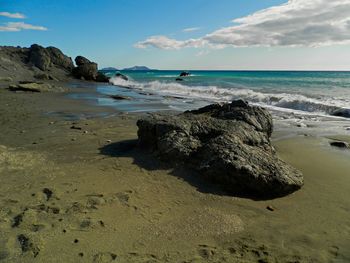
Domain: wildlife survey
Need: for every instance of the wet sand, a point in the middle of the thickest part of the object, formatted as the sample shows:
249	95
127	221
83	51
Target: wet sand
81	191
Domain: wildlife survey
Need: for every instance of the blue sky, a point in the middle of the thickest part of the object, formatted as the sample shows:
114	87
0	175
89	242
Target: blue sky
124	33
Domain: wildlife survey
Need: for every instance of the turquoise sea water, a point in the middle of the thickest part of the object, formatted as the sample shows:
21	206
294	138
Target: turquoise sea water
308	92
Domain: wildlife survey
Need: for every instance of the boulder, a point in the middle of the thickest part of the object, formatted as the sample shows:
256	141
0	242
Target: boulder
59	59
185	74
340	144
345	113
85	69
80	60
39	57
227	144
102	77
35	87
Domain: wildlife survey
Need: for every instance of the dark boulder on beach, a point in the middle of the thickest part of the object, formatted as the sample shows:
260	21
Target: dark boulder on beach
39	57
340	144
59	59
45	58
345	113
85	69
227	144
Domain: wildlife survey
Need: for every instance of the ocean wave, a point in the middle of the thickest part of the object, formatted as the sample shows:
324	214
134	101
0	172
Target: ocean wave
320	105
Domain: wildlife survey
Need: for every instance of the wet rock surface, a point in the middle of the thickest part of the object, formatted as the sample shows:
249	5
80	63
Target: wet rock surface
228	144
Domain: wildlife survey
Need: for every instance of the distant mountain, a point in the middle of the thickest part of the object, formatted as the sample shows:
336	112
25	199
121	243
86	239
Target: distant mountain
109	69
138	68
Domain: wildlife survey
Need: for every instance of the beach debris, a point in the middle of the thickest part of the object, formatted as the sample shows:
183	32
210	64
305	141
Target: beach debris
179	79
340	144
225	143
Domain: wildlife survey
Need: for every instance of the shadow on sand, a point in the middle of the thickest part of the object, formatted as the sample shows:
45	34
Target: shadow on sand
150	162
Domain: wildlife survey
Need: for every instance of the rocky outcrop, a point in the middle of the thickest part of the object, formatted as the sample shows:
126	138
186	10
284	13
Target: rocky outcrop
44	58
85	69
59	59
228	144
37	62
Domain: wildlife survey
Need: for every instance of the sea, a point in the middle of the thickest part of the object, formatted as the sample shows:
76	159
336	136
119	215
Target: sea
312	96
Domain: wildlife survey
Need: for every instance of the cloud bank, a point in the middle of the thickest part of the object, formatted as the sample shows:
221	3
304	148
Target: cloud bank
308	23
12	15
18	26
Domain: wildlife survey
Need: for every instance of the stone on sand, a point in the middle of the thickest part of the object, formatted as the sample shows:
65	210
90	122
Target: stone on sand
227	144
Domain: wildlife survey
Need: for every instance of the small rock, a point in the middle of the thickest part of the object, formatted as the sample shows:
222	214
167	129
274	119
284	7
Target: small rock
270	208
119	97
109	141
75	127
340	144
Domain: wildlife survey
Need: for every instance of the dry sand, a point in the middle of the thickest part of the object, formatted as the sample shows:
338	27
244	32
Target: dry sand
81	191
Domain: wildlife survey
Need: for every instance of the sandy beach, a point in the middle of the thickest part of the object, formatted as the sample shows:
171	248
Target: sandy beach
76	188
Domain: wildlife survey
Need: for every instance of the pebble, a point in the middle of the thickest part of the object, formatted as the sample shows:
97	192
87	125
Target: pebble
270	208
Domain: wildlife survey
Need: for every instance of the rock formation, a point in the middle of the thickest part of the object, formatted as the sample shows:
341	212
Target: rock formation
42	63
228	144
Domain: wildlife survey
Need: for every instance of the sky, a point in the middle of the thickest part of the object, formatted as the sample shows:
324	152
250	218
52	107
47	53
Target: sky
187	34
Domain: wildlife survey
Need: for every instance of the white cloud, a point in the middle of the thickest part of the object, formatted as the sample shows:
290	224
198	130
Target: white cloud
164	42
191	29
12	15
296	23
18	26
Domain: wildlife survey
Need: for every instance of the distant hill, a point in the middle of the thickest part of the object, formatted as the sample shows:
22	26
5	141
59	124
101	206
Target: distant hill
138	68
109	69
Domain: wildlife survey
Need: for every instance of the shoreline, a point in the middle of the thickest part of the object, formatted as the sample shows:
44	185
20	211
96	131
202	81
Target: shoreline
96	175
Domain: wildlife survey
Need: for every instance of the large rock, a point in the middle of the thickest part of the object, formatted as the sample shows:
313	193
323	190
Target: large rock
228	144
85	69
44	58
59	59
39	57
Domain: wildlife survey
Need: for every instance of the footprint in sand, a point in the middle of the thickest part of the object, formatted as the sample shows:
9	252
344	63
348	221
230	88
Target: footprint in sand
104	257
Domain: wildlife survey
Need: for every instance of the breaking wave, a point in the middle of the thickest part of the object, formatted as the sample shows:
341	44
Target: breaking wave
280	101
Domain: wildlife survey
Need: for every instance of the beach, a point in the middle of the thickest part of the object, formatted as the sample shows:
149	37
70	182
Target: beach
76	188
